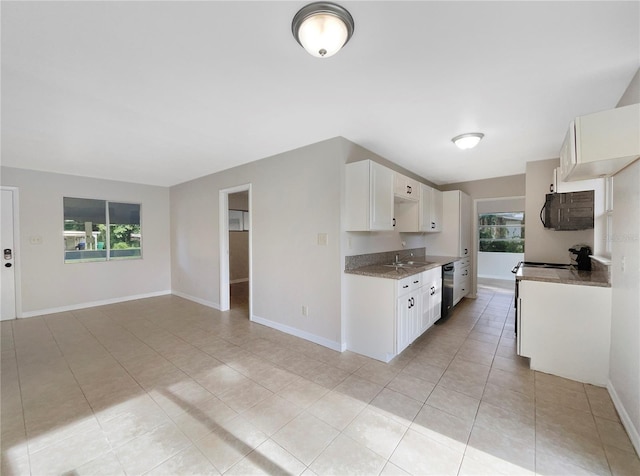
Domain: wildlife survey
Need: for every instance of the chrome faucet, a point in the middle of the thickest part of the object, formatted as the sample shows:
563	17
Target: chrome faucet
397	261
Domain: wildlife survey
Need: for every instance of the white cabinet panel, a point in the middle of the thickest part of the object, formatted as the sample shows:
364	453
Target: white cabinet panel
436	210
407	317
461	279
381	191
369	197
430	209
601	144
565	329
406	188
455	238
431	297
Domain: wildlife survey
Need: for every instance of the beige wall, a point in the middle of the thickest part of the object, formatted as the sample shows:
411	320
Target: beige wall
508	186
294	196
50	285
632	93
501	205
624	373
625	312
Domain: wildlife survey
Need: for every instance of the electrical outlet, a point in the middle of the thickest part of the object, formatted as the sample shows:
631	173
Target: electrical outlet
305	311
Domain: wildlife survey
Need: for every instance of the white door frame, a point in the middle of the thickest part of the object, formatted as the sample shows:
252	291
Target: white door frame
16	248
224	247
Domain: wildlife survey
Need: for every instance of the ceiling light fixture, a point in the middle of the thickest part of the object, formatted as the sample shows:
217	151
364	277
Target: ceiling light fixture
322	28
467	141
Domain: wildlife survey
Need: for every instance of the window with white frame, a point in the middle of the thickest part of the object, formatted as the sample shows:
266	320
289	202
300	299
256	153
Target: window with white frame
501	232
608	209
101	230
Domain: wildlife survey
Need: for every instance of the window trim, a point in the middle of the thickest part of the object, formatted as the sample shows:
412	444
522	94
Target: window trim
480	226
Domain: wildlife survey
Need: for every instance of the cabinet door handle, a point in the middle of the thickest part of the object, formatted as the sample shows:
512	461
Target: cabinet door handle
433	290
413	302
409	189
416	282
433	225
405	286
409	304
394	222
466	251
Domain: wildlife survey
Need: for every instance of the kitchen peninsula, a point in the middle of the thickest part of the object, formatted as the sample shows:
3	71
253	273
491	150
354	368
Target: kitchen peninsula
564	322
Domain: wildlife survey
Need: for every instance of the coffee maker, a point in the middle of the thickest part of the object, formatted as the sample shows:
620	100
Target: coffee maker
581	260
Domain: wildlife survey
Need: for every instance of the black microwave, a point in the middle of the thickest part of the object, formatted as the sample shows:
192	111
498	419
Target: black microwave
568	211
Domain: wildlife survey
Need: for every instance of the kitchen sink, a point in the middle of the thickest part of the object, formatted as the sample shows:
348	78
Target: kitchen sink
407	264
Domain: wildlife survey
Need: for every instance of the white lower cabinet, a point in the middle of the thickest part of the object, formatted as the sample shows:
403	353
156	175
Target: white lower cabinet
384	316
431	296
565	329
461	279
408	313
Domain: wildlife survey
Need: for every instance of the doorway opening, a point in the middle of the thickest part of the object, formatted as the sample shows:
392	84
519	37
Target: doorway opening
500	235
235	250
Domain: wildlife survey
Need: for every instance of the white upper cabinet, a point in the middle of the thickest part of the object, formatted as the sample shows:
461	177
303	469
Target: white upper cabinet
456	236
378	198
405	188
430	209
557	185
601	144
369	196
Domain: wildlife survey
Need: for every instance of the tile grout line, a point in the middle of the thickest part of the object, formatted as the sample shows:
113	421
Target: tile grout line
81	390
24	419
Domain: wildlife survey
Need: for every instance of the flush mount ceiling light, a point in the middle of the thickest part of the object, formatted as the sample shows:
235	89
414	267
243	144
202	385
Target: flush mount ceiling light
322	28
467	141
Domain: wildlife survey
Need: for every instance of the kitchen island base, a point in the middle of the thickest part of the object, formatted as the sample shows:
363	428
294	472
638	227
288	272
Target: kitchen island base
565	329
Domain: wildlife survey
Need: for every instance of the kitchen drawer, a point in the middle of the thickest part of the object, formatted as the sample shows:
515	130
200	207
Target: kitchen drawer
409	284
463	262
461	272
465	286
461	289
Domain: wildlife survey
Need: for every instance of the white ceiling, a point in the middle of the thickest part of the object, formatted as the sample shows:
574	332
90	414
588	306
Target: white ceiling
164	92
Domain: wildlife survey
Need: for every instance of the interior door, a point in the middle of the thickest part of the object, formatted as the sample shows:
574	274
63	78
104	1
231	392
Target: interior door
8	310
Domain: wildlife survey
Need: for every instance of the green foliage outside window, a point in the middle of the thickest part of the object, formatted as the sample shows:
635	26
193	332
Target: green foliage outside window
501	232
100	230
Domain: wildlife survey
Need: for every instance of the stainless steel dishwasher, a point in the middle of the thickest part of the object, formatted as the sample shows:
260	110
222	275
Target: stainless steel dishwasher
447	289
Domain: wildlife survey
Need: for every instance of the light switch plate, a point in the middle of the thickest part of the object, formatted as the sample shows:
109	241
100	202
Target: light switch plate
323	239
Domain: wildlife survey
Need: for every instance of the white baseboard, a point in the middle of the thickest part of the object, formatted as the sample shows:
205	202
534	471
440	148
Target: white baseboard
84	305
632	431
298	333
204	302
239	280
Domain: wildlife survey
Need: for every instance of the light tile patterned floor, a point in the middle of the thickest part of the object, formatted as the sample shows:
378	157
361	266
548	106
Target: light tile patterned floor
166	386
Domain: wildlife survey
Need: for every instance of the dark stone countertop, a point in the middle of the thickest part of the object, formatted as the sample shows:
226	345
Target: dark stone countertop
391	272
564	276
